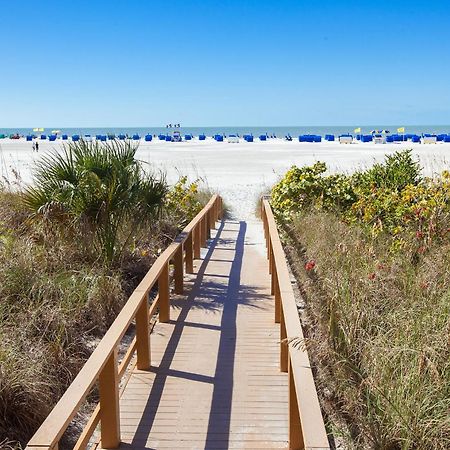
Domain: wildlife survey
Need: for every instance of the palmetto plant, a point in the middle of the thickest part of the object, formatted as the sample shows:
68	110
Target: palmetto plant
101	186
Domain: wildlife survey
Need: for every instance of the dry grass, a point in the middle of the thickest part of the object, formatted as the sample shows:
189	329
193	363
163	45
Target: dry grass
378	331
56	298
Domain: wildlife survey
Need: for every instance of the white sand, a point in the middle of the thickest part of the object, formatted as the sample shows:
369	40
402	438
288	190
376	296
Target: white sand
238	171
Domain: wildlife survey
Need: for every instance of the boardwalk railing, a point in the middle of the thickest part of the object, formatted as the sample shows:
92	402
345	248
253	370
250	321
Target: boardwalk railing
102	366
306	425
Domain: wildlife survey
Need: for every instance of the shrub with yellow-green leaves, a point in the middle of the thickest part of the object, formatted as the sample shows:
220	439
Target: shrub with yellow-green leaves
390	197
183	202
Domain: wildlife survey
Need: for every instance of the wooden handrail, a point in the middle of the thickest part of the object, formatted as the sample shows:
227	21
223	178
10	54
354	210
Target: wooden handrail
306	425
102	365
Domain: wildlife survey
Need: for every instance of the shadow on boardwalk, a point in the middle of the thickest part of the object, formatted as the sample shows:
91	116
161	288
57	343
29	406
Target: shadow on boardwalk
205	293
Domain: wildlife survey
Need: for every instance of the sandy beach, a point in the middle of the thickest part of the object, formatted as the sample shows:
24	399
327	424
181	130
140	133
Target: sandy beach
239	171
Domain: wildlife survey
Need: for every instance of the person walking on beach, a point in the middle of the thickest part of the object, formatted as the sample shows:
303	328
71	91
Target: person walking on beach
33	146
37	146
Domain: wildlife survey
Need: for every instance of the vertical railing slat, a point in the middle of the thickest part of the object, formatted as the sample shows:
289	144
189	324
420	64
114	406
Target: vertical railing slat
109	403
143	336
178	270
189	254
164	294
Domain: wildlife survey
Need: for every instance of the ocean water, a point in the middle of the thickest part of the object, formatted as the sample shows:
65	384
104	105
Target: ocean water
294	131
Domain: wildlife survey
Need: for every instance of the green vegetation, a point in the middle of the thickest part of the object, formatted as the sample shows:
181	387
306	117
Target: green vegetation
99	187
371	252
72	248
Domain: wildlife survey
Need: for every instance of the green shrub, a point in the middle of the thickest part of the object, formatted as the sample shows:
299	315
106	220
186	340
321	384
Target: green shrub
99	187
390	197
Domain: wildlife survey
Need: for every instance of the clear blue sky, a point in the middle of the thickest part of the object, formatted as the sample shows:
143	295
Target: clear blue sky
137	63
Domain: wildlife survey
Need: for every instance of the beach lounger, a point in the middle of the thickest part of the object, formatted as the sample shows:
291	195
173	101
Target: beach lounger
148	137
187	137
345	139
201	137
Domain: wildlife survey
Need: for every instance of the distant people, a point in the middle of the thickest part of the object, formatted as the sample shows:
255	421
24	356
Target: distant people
37	146
34	147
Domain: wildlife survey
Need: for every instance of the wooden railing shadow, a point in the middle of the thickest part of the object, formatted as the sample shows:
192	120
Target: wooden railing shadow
227	298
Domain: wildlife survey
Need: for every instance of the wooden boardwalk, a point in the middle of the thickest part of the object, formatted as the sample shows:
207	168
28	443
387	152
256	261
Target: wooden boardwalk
215	381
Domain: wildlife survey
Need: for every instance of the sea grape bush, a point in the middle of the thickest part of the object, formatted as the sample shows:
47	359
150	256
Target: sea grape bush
391	197
183	202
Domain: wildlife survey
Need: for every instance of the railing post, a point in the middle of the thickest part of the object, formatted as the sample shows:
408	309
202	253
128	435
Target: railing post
220	208
213	217
178	270
197	240
216	210
164	294
189	253
295	431
204	232
208	224
284	349
270	258
277	296
109	403
143	336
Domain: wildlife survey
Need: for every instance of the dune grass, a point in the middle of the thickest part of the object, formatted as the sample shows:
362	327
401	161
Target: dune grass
60	286
378	332
371	254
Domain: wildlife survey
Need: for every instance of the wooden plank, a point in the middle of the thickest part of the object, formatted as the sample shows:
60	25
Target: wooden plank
215	381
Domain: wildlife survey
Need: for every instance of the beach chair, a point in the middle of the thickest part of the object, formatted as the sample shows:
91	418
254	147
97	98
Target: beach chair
75	137
201	137
43	137
233	139
429	139
148	138
263	137
345	139
187	137
121	137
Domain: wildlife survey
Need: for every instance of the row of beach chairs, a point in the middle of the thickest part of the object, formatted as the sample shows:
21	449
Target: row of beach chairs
344	138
